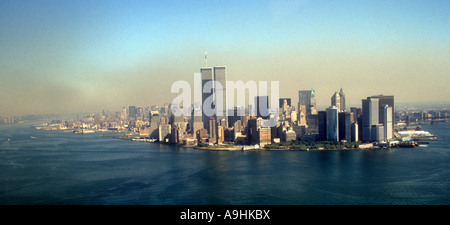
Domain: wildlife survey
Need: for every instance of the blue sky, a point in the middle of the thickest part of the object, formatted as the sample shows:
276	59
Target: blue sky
59	56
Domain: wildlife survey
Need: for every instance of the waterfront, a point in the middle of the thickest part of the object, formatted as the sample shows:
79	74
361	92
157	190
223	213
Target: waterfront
57	167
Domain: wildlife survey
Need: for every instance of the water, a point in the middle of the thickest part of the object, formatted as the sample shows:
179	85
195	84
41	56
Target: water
55	167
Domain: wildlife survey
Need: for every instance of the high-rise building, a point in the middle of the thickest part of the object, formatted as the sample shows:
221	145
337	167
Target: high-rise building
301	116
196	121
164	132
336	101
264	136
387	122
377	132
299	130
294	118
252	130
357	112
332	124
308	98
123	115
207	76
212	130
217	75
220	134
286	101
132	112
322	125
345	126
342	100
235	114
262	107
370	117
312	124
375	112
354	130
385	100
220	76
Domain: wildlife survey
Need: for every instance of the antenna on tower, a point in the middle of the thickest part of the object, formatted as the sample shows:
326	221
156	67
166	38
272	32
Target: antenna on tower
206	59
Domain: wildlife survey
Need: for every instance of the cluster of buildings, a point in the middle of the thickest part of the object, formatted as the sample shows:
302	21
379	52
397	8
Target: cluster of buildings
372	122
7	119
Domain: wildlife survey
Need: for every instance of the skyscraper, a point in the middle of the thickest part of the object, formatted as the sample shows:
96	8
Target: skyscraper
196	121
212	130
385	100
342	100
132	112
345	126
220	76
235	114
164	132
370	117
252	130
322	125
336	101
283	100
207	75
308	98
387	122
262	106
332	124
264	136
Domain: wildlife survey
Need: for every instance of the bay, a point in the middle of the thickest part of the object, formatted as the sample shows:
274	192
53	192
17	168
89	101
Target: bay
54	167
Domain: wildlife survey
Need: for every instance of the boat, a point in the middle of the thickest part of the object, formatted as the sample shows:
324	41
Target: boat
408	144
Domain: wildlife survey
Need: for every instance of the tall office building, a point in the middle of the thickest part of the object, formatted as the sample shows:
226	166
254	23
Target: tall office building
252	130
196	121
336	101
123	115
332	124
355	132
164	132
301	115
342	100
220	76
322	125
284	101
385	100
308	98
264	136
377	132
387	122
370	117
345	126
357	112
235	114
132	112
212	130
207	75
262	107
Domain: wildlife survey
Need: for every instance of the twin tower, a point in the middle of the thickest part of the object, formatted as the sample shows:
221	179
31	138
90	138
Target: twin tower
219	75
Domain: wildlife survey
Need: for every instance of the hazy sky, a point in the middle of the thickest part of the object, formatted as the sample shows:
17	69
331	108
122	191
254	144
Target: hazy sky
76	56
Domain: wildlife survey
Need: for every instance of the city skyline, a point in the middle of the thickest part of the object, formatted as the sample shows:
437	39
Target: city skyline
70	56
